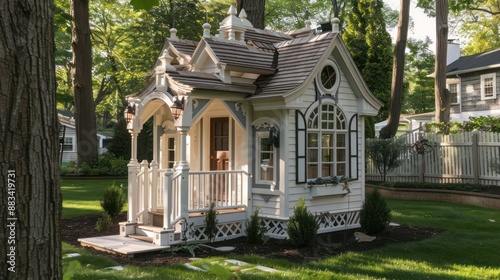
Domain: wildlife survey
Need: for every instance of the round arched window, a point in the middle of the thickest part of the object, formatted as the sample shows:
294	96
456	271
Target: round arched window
329	78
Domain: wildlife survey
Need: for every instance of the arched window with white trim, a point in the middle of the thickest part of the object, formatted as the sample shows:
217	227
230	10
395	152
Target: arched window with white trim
327	136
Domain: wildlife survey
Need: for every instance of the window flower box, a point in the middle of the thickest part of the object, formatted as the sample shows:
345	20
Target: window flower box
329	186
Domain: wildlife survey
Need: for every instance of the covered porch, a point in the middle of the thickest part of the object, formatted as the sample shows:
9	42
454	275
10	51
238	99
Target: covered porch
194	164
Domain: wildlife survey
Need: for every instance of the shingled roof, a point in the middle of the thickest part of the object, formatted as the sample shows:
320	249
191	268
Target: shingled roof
472	63
241	55
297	59
208	81
185	47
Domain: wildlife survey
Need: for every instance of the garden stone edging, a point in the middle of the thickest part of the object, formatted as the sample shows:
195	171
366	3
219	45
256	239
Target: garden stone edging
480	199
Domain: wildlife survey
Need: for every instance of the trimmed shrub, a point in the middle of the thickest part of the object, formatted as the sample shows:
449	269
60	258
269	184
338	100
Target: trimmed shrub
255	231
113	200
385	154
302	226
103	222
211	222
375	214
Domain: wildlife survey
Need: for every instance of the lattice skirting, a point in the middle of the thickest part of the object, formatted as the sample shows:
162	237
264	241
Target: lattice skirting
328	222
276	228
224	231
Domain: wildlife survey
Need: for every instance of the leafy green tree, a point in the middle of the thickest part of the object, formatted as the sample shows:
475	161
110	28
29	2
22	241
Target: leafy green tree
62	39
480	22
419	95
124	53
370	45
285	15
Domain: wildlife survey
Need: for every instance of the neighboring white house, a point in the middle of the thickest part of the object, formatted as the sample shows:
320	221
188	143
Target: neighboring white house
67	139
261	114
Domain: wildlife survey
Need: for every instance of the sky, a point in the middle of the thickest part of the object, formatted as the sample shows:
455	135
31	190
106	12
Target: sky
423	25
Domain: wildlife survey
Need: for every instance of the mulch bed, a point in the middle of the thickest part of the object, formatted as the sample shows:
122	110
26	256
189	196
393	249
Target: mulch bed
328	244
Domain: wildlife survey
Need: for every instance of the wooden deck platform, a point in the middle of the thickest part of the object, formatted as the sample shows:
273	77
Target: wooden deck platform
122	245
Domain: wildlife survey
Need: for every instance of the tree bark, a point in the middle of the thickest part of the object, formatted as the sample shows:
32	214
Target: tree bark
30	199
441	95
255	10
81	66
398	67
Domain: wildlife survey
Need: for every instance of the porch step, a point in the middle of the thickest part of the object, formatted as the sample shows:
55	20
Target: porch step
120	244
141	237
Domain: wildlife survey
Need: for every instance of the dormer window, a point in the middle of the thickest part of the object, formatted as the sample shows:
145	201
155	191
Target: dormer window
329	78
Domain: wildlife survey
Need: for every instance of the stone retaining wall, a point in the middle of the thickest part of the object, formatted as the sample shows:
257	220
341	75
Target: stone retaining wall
484	200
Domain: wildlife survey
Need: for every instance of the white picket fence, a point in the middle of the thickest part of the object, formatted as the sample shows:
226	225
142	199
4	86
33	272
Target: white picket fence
458	158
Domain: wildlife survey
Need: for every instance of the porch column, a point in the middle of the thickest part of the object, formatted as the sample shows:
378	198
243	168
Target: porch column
133	168
167	199
153	191
183	168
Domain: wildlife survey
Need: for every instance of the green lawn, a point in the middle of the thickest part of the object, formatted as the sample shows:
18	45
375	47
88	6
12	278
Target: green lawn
83	196
468	248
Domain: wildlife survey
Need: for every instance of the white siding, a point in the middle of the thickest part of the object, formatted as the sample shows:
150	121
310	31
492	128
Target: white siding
348	102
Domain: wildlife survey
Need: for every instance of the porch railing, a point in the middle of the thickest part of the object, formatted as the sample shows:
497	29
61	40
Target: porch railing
227	189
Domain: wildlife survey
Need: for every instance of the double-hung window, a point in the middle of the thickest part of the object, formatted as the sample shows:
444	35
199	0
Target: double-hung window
326	142
488	86
453	88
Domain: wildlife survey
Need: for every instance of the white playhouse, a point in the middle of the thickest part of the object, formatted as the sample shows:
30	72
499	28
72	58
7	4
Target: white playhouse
248	118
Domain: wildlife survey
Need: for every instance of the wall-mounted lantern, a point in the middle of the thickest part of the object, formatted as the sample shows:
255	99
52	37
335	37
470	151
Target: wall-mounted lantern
129	113
177	107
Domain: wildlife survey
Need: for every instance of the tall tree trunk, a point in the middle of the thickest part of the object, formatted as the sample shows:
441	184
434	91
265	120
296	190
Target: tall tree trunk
255	10
30	199
86	133
398	67
441	95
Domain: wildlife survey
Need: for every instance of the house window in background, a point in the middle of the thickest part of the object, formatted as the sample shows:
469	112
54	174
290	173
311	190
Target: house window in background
68	144
488	88
453	88
326	142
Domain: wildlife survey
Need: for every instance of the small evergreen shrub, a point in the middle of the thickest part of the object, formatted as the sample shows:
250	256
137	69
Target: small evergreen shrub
255	231
113	200
211	222
302	226
375	214
103	222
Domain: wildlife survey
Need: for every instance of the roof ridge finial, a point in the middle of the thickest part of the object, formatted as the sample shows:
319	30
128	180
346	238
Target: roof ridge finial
243	14
232	11
173	33
206	30
335	25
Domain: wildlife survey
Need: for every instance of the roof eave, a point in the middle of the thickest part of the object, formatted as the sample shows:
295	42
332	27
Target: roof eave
464	71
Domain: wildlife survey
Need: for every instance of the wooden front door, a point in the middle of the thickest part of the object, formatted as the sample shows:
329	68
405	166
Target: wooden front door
219	156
